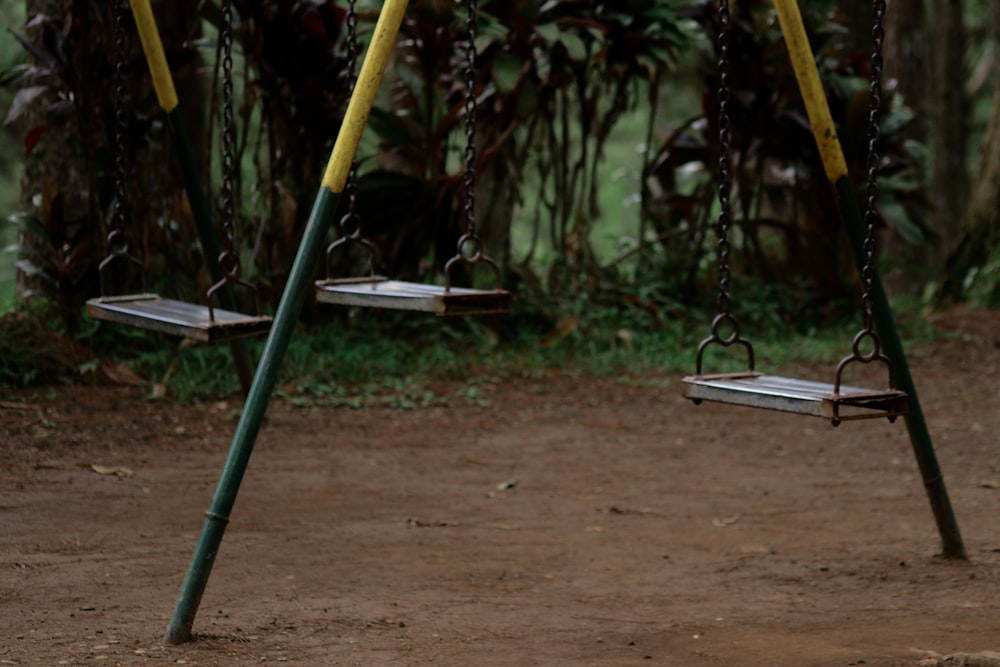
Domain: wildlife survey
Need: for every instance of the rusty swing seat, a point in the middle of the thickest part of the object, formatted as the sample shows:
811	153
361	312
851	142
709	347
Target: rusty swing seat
375	291
836	402
149	311
805	397
380	292
178	318
145	310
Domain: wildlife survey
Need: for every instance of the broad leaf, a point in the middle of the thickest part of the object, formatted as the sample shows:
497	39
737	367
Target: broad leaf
30	224
24	97
897	217
575	47
388	126
506	72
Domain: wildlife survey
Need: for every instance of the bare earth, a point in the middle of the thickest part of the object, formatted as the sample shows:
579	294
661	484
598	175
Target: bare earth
572	521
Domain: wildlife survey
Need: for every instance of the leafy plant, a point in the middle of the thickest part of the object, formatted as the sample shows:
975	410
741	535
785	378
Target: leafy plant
60	254
65	106
552	79
785	227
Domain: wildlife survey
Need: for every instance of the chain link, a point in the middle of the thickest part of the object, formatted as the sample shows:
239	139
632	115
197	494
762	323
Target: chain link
350	224
352	43
121	125
469	179
470	246
725	326
725	215
228	259
874	132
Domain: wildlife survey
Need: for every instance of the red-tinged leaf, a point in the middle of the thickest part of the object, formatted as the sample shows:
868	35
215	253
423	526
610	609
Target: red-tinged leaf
33	136
312	25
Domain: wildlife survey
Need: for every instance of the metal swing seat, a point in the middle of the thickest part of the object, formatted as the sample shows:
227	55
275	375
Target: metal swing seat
836	402
145	310
374	291
804	397
178	318
380	292
149	311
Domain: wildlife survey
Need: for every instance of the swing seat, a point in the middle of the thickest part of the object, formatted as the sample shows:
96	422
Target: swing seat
804	397
178	318
380	292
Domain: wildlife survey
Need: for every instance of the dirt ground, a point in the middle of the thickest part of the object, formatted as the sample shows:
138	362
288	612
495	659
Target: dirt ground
572	521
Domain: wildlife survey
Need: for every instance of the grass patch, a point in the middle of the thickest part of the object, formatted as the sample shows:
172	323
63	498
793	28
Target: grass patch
369	358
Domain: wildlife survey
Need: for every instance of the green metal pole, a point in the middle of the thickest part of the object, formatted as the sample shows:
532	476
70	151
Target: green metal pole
217	517
163	84
818	109
920	437
251	418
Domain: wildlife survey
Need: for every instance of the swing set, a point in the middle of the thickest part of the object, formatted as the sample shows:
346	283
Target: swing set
834	401
144	310
373	291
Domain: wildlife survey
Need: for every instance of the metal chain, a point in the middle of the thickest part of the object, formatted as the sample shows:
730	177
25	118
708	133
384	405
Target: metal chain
725	215
228	260
469	180
868	333
874	132
116	239
725	326
470	246
350	224
352	42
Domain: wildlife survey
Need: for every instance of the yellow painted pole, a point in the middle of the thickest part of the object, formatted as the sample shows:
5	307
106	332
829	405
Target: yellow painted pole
149	35
813	94
358	109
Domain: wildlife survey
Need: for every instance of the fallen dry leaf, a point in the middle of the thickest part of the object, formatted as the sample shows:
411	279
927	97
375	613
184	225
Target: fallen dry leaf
118	471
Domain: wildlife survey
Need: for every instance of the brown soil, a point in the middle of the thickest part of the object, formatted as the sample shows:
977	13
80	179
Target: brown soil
572	521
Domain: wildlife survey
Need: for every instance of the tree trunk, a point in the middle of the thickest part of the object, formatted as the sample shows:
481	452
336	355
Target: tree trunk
907	61
858	16
994	19
949	187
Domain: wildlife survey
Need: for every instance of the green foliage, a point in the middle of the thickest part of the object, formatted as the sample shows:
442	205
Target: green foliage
552	80
982	284
11	14
554	83
33	354
63	110
786	228
54	252
59	255
407	361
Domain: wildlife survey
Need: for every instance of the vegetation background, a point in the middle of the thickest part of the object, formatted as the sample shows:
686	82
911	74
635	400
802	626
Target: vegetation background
597	141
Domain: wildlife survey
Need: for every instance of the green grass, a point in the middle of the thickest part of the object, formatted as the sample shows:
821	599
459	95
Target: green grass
403	361
406	360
